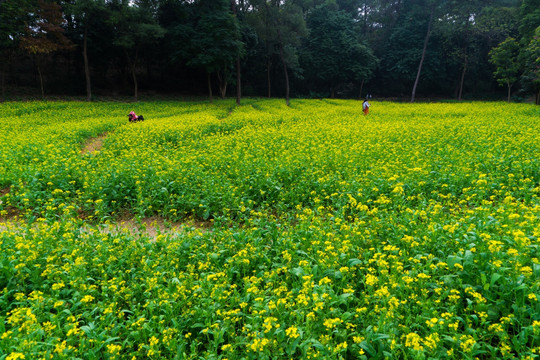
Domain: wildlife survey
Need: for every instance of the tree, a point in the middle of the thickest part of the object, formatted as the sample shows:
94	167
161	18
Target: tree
44	35
505	59
404	54
13	19
531	74
134	28
529	19
216	42
421	63
460	20
333	52
290	27
88	15
238	69
280	27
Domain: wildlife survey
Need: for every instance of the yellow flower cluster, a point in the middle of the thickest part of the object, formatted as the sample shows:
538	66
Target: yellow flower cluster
307	231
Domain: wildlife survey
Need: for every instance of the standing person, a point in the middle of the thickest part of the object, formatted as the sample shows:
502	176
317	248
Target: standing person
365	106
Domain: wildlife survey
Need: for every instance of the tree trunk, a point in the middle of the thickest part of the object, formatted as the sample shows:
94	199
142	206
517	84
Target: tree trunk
268	60
423	54
538	97
149	72
3	80
209	87
132	63
364	25
282	55
86	66
40	80
222	85
361	89
509	91
135	83
238	81
462	79
268	63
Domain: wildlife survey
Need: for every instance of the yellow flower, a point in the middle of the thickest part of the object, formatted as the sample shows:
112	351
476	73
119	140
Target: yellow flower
526	270
114	349
292	332
15	356
58	286
331	323
371	279
467	342
59	348
87	299
413	341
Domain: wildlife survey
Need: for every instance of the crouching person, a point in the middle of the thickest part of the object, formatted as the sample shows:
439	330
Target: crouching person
132	117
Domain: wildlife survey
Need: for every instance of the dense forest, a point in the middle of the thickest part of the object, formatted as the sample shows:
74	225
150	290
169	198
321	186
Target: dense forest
404	49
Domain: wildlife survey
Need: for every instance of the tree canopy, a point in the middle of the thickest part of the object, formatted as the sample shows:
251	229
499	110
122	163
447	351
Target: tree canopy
289	48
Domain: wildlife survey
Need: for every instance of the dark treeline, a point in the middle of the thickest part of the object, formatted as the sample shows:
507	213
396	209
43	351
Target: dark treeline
288	48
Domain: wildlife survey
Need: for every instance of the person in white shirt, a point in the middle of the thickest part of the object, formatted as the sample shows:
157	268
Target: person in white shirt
365	107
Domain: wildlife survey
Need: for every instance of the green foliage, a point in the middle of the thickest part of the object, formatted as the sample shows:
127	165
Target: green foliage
215	38
13	17
505	59
134	28
174	44
530	19
44	34
531	59
333	51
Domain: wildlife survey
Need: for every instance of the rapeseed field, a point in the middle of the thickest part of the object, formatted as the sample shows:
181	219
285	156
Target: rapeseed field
310	231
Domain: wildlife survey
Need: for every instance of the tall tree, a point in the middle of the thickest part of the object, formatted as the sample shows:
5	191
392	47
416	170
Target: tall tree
44	35
404	54
463	35
135	28
424	49
333	51
280	27
14	15
216	42
529	19
505	59
260	20
286	22
238	69
87	16
531	74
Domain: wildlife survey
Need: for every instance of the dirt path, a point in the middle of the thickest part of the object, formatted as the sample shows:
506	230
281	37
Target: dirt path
93	145
4	191
149	228
152	227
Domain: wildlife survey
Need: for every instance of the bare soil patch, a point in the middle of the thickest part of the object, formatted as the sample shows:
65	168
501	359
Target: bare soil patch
10	212
153	227
94	144
149	228
4	191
